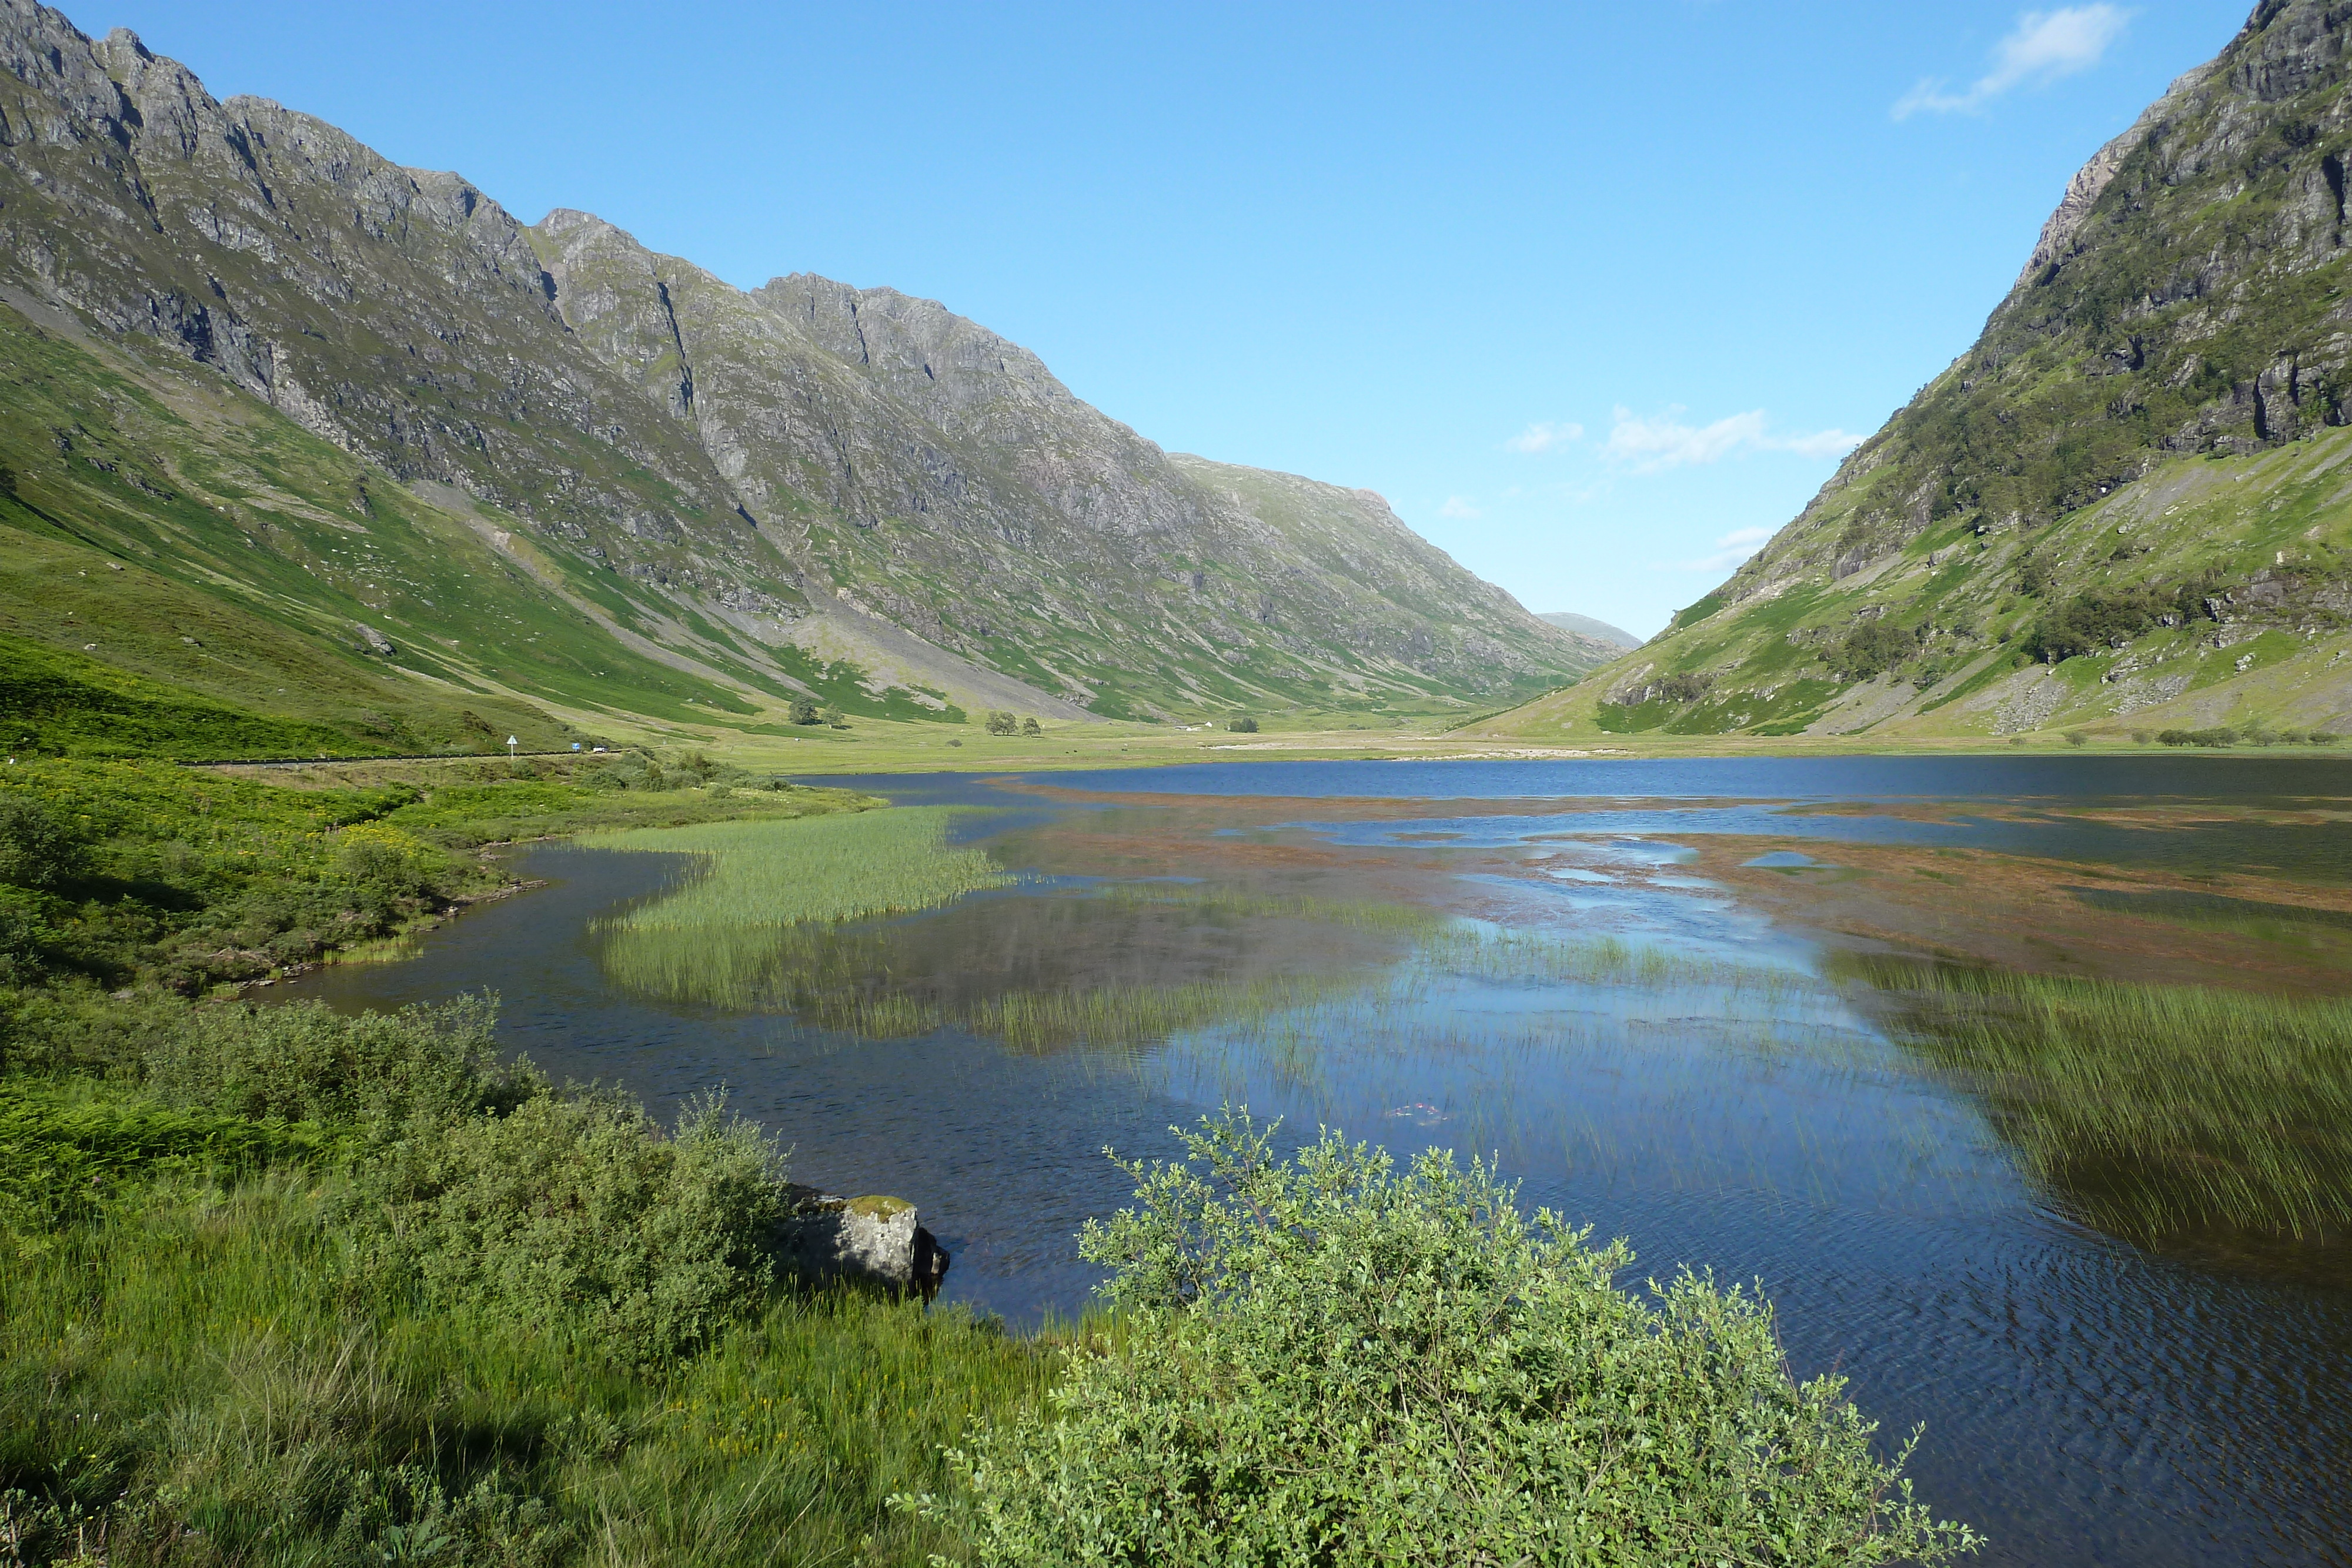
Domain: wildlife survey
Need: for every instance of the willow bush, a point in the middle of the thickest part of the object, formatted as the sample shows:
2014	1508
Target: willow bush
1328	1362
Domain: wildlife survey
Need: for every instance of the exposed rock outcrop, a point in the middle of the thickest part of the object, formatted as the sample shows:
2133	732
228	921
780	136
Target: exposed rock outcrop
871	1241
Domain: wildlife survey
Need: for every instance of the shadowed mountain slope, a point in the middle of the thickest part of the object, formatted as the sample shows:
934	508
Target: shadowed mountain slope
2124	506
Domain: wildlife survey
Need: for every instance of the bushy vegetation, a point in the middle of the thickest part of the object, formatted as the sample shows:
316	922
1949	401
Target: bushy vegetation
2108	618
1000	722
118	873
1873	648
1330	1362
115	873
452	1315
1241	724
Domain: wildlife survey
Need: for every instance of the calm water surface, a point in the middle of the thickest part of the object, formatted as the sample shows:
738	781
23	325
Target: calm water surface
2085	1401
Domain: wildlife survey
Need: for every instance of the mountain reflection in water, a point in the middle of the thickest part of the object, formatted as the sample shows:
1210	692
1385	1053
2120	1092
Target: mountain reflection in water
1762	1017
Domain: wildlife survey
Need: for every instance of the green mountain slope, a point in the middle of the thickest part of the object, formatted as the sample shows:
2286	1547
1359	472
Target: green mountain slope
2122	508
545	465
1569	621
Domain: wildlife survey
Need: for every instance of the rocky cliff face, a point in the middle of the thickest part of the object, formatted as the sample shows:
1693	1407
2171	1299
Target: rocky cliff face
854	473
2185	309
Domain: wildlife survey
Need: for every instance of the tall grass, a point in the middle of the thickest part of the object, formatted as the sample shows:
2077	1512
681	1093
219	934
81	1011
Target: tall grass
194	1380
2151	1111
776	874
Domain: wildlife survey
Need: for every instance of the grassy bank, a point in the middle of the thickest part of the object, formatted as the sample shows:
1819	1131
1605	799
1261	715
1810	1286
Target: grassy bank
230	1335
278	1287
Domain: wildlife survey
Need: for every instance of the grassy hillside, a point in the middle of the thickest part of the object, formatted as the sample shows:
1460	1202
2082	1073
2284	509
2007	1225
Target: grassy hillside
2211	592
258	356
166	541
2122	508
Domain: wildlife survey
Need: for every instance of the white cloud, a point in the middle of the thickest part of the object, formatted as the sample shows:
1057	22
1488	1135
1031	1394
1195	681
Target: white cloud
1820	443
1729	551
1542	437
1653	446
1456	506
2044	47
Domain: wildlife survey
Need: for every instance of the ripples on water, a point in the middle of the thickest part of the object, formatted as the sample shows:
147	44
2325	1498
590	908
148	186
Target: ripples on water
1553	982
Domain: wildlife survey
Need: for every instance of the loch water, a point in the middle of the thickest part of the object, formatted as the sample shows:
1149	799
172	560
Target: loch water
1407	951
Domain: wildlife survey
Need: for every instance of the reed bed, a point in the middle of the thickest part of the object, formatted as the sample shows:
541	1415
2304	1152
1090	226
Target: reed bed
773	873
1492	955
1351	913
2151	1111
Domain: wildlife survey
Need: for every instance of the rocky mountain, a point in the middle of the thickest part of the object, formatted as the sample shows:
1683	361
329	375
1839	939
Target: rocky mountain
300	384
1586	626
2124	507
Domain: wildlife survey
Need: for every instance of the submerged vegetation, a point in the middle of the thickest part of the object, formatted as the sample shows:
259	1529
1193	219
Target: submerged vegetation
2162	1113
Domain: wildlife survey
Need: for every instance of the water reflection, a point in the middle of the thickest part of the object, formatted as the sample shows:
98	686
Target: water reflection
1675	1013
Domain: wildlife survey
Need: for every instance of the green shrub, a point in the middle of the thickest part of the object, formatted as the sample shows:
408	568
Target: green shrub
301	1062
1329	1362
1242	724
36	851
1872	649
24	935
2221	735
575	1214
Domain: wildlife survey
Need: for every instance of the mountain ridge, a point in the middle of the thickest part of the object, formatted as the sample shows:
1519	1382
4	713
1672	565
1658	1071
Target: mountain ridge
1995	560
802	489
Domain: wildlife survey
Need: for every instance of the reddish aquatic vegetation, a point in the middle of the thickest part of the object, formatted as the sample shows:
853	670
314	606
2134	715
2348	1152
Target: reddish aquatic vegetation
1980	906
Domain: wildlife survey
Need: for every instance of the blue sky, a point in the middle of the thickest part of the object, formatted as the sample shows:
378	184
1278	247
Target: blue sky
1593	293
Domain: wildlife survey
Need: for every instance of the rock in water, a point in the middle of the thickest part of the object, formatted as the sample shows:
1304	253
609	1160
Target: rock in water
867	1240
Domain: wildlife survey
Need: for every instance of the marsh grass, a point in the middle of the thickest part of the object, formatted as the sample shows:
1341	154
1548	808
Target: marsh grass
2153	1112
835	973
767	874
1509	955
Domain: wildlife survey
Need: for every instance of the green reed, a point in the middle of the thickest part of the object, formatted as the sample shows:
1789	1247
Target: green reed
2151	1111
775	874
1351	913
1491	955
